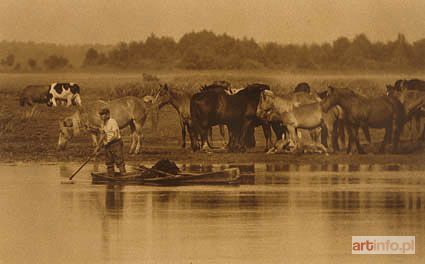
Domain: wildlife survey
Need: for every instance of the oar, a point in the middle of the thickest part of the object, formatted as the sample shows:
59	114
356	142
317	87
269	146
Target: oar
96	151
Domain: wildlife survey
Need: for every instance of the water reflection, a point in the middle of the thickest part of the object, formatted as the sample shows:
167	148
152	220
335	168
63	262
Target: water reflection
267	219
114	200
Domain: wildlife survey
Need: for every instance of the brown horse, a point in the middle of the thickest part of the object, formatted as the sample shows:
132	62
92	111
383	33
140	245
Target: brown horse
382	112
180	101
412	97
127	111
237	111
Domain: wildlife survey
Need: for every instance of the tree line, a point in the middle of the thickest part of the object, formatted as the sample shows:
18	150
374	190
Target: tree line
207	50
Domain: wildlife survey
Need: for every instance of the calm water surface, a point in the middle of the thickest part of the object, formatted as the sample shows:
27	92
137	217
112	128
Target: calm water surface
280	214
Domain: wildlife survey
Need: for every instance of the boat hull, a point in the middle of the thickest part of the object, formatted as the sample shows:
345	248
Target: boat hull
146	177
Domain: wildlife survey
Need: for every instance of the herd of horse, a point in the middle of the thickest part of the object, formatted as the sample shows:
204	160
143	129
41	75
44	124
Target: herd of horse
326	115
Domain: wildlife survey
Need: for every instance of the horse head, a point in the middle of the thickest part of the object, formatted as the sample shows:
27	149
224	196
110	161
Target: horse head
163	96
398	92
265	104
330	100
68	128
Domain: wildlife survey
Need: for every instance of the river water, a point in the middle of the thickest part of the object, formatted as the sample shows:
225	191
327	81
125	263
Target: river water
280	214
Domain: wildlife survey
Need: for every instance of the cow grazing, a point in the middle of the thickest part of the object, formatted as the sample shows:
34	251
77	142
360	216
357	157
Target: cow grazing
64	91
34	94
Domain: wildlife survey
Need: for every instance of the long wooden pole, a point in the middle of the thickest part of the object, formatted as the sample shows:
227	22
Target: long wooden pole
99	146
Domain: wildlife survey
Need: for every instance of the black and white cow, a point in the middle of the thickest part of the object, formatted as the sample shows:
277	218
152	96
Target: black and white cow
70	92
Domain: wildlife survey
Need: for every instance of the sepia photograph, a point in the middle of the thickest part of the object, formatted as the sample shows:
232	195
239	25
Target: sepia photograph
212	131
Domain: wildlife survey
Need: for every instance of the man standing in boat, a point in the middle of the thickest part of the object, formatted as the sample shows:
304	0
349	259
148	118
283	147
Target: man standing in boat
112	142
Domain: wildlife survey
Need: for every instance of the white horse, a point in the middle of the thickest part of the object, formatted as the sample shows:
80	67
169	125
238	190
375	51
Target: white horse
127	111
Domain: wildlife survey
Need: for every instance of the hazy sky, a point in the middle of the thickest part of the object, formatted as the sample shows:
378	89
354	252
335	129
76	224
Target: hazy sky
284	21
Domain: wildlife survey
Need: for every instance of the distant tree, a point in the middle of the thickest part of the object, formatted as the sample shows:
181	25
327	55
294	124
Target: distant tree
91	58
54	62
339	47
401	52
9	60
419	54
32	63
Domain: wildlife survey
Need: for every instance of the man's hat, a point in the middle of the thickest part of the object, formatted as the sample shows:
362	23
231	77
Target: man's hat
104	111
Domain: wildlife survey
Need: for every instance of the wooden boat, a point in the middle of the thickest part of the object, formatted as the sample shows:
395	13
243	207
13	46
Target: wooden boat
132	177
148	176
225	177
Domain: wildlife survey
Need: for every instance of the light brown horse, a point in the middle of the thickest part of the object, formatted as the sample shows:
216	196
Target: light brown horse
382	112
295	115
127	111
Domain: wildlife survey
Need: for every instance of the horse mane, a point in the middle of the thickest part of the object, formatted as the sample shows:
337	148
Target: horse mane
179	92
254	88
214	86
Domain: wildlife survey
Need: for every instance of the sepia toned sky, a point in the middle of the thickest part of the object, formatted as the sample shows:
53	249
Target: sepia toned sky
283	21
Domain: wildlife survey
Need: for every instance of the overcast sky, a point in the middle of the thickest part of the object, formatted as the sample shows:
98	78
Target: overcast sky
283	21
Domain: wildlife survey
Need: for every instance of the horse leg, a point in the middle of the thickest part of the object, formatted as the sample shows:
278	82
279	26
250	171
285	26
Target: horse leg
137	136
367	134
33	109
193	135
422	138
333	134
132	136
357	141
247	130
234	135
340	131
210	131
418	124
268	135
183	128
396	137
223	134
324	135
204	139
350	138
278	130
387	138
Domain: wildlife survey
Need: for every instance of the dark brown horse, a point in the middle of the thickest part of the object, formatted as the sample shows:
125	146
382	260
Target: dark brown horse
382	112
238	112
413	99
180	101
413	84
340	127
